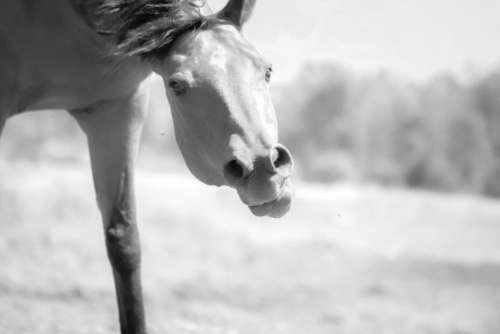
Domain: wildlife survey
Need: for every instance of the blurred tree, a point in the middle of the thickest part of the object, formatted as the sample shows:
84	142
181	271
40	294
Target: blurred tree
383	129
486	96
462	155
321	126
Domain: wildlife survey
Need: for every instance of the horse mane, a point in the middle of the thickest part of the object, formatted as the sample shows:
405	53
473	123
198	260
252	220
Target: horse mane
145	28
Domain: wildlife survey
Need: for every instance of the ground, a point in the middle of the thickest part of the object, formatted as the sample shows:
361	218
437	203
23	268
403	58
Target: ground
347	259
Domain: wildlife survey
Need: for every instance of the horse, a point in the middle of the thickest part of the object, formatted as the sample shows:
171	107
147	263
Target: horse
95	59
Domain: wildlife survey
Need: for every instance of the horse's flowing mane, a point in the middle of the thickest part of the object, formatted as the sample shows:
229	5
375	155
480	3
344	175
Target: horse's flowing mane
145	28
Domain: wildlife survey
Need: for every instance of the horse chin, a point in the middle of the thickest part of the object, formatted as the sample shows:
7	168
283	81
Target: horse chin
276	208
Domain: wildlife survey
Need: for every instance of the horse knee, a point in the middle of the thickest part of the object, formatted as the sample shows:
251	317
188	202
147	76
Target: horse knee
122	242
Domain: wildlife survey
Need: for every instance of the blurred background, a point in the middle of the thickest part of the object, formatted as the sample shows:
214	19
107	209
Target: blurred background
392	111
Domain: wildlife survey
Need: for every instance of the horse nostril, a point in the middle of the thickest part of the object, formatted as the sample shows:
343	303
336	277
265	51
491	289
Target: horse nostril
282	159
235	171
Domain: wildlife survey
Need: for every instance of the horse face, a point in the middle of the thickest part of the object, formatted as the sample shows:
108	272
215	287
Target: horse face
225	124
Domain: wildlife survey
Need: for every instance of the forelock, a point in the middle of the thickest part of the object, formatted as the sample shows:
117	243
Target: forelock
148	28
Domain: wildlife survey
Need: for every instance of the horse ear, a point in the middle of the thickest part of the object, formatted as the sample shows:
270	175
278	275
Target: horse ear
237	11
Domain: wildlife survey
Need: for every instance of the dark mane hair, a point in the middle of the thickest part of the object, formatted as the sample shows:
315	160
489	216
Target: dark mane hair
146	28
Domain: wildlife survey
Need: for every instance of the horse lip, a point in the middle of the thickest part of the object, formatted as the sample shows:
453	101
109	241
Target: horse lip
262	209
256	206
277	198
261	205
275	208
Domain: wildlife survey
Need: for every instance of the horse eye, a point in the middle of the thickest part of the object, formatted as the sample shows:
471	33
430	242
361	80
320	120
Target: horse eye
269	73
178	86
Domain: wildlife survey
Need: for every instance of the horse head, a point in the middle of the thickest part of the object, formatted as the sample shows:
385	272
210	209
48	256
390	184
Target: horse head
217	85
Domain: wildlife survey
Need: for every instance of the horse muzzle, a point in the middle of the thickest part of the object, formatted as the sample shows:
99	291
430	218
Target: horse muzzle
264	184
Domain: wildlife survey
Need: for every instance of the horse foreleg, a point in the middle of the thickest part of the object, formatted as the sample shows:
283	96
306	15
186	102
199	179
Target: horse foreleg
113	130
2	123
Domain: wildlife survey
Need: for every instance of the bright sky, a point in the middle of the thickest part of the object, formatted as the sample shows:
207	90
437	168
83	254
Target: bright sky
416	38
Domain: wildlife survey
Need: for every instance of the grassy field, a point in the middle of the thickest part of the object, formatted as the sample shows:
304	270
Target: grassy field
347	259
